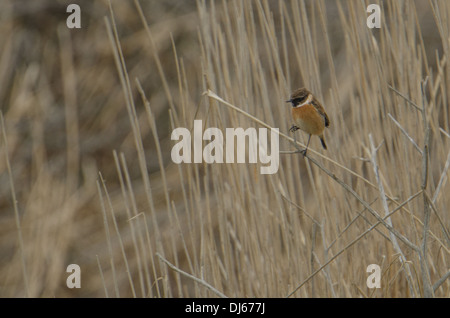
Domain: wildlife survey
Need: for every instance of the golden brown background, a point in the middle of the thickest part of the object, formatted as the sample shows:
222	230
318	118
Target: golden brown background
91	181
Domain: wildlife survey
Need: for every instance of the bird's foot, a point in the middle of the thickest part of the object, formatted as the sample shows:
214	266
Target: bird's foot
302	151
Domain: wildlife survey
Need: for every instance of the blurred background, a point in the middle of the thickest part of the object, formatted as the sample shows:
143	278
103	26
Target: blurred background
67	119
64	115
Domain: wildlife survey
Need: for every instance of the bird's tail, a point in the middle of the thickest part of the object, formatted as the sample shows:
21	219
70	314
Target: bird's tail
322	140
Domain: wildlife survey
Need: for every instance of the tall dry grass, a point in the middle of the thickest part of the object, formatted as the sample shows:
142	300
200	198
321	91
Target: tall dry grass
87	176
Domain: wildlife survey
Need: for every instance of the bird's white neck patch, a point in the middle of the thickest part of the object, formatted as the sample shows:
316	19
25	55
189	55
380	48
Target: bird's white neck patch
307	101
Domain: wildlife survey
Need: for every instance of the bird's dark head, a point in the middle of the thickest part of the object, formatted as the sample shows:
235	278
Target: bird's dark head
298	96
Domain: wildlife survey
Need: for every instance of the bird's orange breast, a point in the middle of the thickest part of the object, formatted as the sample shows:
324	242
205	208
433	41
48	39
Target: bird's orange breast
308	119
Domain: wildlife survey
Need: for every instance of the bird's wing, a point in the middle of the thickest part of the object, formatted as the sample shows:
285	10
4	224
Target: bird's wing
321	111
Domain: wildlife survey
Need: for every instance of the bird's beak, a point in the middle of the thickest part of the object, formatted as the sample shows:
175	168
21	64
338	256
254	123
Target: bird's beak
289	101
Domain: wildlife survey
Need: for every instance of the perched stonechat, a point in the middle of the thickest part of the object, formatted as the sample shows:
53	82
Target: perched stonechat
308	115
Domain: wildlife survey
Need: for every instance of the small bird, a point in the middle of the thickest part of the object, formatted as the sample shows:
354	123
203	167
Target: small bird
308	115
